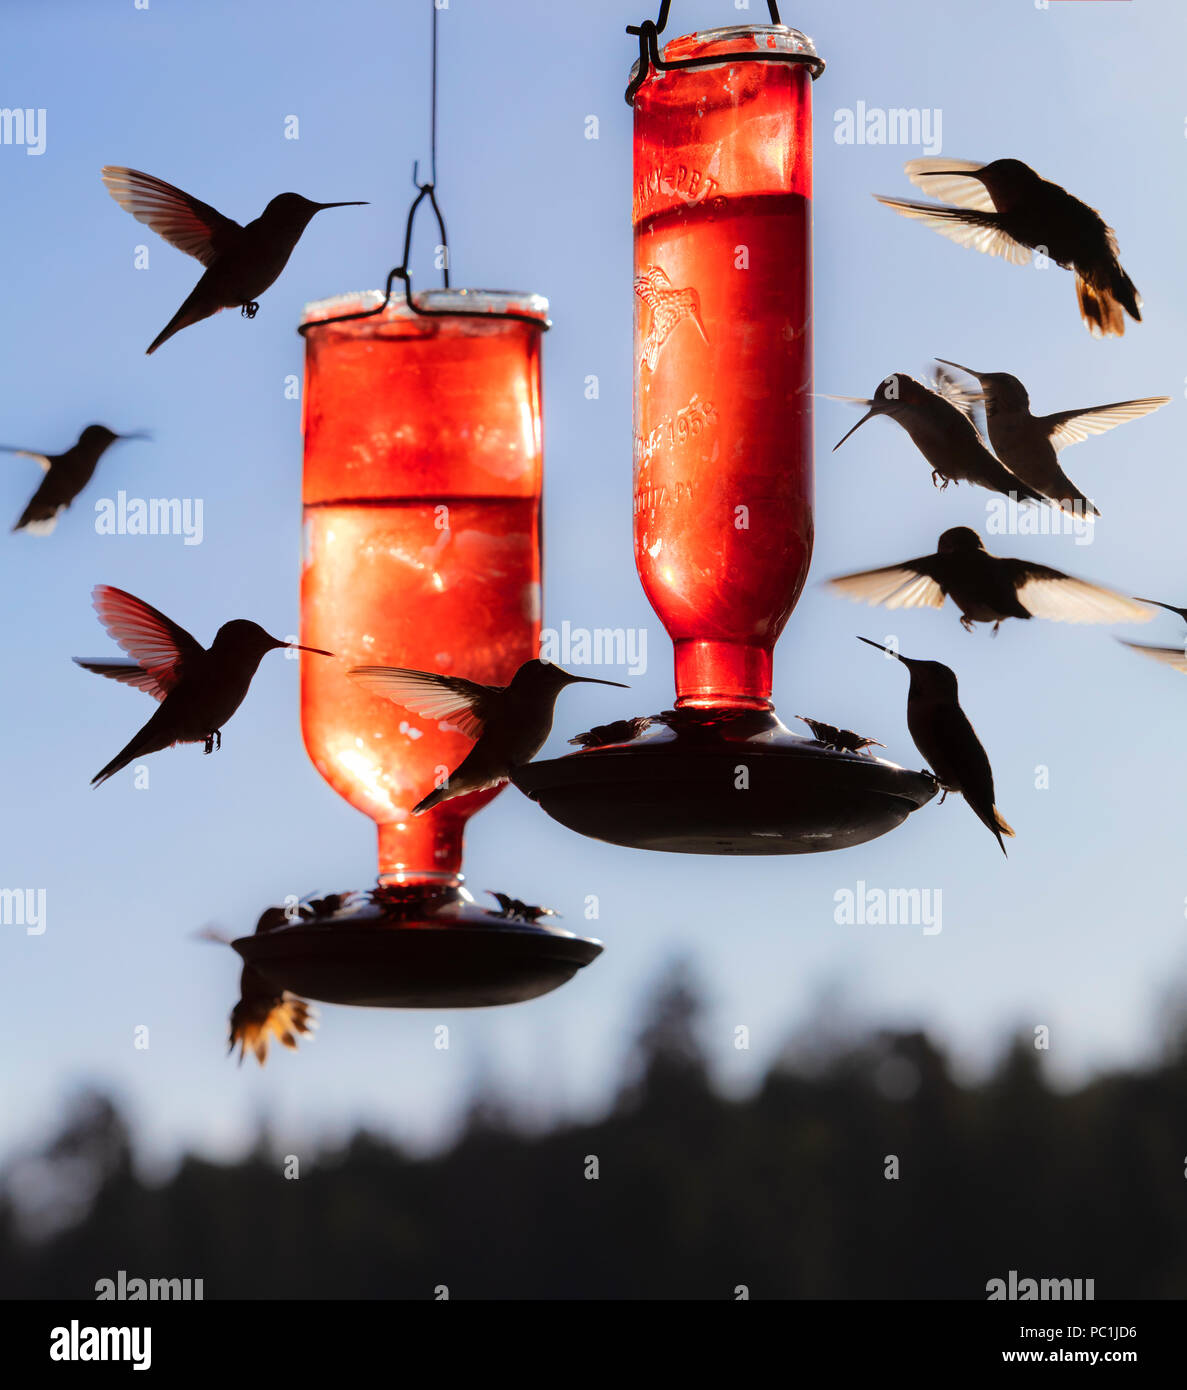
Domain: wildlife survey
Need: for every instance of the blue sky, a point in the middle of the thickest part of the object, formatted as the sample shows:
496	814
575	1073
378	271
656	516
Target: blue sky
1081	930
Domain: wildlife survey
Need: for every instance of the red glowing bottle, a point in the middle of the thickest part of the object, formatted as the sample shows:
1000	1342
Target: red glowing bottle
723	357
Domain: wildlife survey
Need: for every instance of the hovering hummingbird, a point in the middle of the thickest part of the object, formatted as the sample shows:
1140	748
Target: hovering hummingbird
669	307
988	588
241	262
1175	657
198	689
264	1012
944	434
947	740
514	910
509	722
66	475
1005	209
844	740
1028	444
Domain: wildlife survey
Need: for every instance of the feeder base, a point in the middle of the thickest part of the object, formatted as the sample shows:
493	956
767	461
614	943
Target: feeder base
420	950
679	786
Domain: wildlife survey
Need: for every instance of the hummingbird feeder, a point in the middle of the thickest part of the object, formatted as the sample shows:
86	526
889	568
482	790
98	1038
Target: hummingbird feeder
723	470
422	492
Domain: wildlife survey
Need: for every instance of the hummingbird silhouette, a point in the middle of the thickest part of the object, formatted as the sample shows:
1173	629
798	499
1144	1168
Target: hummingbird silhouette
1029	444
948	742
510	723
1175	657
669	307
844	740
264	1012
514	910
198	689
988	588
1005	209
66	475
241	262
944	433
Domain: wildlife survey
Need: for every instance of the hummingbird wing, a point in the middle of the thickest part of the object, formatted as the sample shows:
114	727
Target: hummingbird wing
185	222
979	230
960	189
451	699
43	459
156	642
126	671
1175	657
1049	593
911	584
964	398
1071	426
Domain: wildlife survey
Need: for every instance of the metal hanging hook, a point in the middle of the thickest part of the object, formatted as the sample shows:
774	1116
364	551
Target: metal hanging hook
648	33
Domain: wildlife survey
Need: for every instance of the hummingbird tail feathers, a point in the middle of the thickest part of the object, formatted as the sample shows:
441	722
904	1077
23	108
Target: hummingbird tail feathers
186	315
1103	306
261	1015
1002	824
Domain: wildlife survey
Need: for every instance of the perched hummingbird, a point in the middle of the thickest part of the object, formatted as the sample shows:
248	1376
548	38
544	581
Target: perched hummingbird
65	476
263	1011
988	588
669	307
509	722
1005	209
947	740
516	911
199	689
1028	444
1175	657
844	740
241	262
943	433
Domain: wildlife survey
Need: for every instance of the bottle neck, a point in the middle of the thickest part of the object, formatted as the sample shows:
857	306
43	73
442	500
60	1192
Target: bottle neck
422	849
730	675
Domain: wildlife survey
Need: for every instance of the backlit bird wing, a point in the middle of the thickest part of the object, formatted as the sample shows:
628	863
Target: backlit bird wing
956	393
185	222
1071	426
975	229
1049	593
451	699
158	644
43	459
127	672
959	189
911	584
1175	657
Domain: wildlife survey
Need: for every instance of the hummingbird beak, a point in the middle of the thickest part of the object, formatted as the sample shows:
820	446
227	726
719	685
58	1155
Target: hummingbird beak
959	368
135	434
869	415
948	173
297	647
700	323
571	679
881	648
1170	608
321	207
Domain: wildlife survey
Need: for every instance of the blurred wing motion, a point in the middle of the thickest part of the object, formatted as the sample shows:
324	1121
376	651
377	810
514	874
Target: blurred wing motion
156	643
1174	657
1049	593
42	459
949	186
263	1013
976	229
187	223
450	699
1071	426
126	671
964	398
912	584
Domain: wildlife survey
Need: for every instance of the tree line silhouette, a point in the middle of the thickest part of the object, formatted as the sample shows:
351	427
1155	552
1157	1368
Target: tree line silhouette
788	1192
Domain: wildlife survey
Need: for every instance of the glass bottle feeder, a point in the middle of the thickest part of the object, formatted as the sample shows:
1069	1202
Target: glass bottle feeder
422	488
723	471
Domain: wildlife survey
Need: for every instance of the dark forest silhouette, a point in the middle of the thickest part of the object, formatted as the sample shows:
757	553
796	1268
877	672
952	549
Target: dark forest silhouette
783	1192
